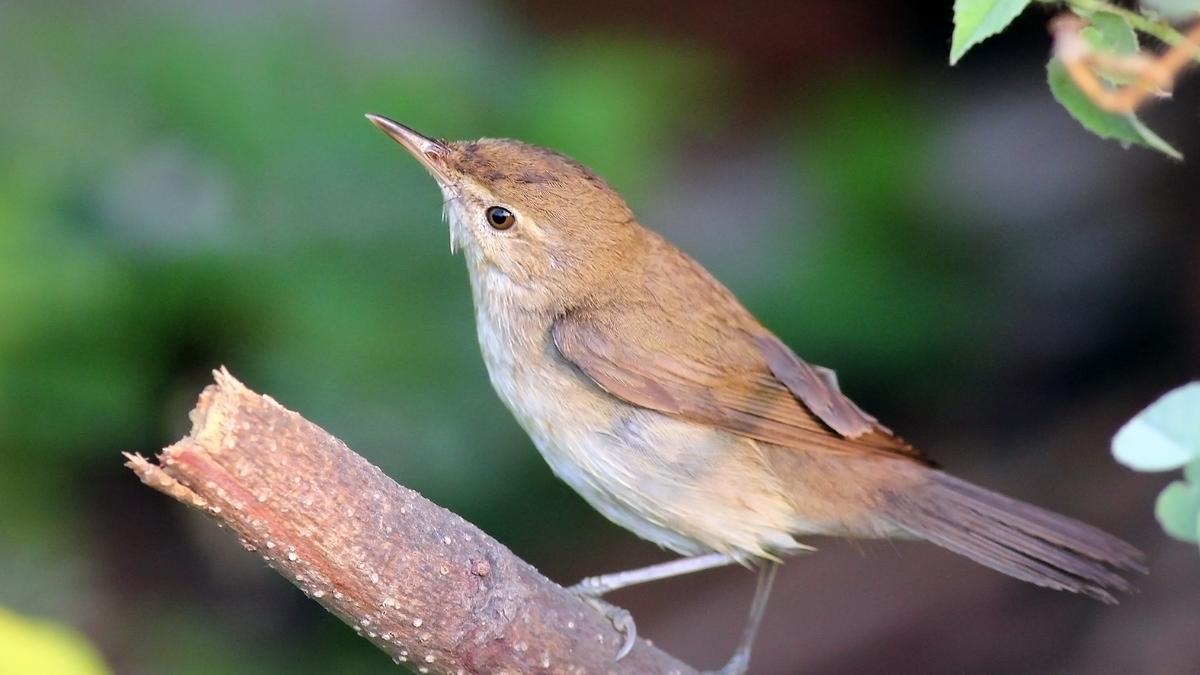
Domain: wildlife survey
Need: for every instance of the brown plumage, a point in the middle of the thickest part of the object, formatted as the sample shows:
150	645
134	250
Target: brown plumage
651	390
705	359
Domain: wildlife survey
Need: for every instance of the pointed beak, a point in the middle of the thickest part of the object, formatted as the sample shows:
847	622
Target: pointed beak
431	153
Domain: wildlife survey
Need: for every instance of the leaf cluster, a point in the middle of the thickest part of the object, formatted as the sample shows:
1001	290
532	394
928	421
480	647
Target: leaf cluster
1112	33
1166	437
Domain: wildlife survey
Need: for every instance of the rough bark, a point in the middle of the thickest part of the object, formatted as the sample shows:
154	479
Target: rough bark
425	586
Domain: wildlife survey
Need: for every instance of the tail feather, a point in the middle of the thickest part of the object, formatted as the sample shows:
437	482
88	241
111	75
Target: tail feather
1018	539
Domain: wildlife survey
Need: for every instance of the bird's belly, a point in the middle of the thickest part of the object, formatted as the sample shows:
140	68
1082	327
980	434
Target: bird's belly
570	427
685	486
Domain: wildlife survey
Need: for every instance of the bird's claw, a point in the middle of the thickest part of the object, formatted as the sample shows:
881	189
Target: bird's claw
620	618
589	587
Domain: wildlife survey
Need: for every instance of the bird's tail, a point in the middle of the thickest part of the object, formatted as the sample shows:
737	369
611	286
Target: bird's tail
1018	539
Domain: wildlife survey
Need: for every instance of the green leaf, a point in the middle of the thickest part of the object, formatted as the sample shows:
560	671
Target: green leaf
1174	9
1165	435
1191	472
1178	510
977	20
1110	33
1125	129
1153	140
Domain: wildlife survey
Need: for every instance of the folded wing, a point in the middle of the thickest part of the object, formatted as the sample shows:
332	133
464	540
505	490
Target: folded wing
749	384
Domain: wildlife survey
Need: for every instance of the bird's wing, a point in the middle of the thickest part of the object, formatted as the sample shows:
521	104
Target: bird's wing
816	387
737	376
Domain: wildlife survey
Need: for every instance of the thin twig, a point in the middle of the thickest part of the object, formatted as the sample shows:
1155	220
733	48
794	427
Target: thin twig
1141	23
1150	76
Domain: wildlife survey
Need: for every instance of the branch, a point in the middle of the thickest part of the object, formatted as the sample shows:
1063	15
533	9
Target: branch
422	584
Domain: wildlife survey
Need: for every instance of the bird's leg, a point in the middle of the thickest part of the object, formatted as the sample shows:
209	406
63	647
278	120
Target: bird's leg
606	583
740	661
592	588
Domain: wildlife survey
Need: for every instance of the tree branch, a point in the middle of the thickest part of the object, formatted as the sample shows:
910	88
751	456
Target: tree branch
422	584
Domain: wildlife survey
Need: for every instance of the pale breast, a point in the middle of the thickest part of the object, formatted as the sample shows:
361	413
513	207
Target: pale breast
568	421
684	486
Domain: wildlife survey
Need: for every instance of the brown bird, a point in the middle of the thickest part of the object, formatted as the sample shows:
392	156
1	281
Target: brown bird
656	395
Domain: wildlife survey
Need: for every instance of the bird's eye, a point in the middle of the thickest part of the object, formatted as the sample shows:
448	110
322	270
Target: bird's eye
500	218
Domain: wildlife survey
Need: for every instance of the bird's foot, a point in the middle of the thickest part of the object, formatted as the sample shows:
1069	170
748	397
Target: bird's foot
590	587
620	618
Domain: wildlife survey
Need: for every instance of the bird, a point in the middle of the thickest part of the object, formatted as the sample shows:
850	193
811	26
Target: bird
653	392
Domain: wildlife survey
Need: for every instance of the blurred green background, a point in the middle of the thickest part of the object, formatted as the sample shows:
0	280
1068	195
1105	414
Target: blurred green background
185	185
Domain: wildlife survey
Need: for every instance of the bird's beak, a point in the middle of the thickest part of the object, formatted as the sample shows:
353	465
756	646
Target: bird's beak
431	153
